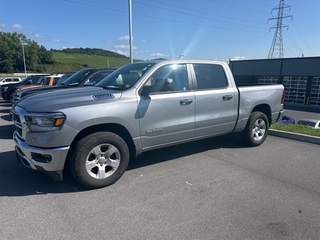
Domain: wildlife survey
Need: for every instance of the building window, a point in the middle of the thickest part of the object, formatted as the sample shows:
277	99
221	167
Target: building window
315	91
295	89
267	80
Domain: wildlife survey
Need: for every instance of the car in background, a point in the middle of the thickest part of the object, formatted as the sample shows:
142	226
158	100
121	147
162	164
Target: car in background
44	81
84	77
311	122
64	77
9	80
7	90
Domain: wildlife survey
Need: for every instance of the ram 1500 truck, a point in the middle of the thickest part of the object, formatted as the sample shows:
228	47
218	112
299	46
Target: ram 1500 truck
139	107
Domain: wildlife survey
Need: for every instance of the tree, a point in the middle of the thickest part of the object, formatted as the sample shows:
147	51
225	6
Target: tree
11	56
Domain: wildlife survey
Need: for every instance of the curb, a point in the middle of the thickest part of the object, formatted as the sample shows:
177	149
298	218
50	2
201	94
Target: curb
295	136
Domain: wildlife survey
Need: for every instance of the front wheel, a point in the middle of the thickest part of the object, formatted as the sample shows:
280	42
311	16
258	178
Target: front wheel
99	159
256	130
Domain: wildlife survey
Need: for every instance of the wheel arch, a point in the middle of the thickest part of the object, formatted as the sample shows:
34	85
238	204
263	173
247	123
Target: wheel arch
264	108
109	127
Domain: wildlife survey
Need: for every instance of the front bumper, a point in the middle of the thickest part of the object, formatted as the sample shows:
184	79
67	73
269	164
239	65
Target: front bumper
54	167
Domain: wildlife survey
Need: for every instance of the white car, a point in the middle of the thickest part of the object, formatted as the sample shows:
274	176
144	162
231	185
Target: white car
314	123
9	80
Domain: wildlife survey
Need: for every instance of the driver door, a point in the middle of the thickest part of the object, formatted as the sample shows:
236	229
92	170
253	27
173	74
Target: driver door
166	107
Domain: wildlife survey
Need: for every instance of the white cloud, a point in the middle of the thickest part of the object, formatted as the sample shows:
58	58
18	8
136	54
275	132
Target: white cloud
58	41
16	26
158	55
123	46
122	52
37	35
124	38
143	41
2	26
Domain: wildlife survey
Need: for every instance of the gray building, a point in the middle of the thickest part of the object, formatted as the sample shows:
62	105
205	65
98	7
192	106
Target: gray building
299	76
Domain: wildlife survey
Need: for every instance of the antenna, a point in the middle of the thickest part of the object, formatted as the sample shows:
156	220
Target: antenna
276	49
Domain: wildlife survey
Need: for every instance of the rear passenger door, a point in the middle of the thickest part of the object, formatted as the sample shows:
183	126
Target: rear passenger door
166	112
216	105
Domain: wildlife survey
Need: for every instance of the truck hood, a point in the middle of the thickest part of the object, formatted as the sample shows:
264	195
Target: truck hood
67	98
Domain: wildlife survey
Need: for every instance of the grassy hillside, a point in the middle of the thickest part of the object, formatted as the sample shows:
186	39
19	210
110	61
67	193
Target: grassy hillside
67	62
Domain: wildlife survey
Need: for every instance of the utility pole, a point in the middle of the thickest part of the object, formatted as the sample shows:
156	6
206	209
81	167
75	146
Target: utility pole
24	58
276	49
130	30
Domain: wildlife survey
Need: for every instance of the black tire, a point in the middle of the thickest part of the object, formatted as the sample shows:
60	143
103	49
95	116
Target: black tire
256	130
99	159
11	97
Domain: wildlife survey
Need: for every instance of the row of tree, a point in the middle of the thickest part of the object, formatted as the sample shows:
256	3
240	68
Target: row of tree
91	51
12	47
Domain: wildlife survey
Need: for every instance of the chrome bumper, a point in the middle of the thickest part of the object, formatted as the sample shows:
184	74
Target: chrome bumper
54	167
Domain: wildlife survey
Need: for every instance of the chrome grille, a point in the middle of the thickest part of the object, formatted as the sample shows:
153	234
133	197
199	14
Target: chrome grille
17	123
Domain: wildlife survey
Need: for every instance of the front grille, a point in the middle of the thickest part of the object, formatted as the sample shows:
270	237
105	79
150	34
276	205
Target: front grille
17	123
16	118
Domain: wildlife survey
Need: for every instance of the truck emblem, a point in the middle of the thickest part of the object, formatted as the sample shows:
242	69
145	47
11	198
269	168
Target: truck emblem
102	96
154	130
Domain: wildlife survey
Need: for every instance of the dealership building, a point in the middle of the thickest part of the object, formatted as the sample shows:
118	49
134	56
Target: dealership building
299	76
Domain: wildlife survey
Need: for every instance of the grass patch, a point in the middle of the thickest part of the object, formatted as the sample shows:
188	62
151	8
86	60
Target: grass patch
72	62
296	128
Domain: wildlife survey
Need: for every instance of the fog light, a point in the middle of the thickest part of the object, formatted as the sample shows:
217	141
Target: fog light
41	158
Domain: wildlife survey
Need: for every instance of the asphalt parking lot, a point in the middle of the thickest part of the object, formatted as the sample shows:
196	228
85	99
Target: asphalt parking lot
210	189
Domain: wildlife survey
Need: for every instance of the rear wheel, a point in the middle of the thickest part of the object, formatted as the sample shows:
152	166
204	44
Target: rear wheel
256	130
99	159
11	96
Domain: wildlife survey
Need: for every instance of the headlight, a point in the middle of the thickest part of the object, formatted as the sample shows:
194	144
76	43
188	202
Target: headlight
44	121
4	89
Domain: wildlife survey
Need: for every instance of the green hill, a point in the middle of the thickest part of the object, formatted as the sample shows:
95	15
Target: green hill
68	60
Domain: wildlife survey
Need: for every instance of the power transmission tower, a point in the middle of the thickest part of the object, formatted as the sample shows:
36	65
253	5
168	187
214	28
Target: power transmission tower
276	49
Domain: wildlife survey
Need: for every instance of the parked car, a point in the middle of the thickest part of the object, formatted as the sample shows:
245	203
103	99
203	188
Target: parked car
314	123
64	77
84	77
139	107
44	81
7	90
9	80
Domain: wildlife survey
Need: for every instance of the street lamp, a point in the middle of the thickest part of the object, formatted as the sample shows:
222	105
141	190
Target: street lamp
24	58
130	30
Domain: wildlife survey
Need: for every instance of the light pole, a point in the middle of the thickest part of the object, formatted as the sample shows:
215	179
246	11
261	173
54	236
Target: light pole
24	58
130	30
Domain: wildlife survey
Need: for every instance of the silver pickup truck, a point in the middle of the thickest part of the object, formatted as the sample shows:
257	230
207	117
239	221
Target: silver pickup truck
139	107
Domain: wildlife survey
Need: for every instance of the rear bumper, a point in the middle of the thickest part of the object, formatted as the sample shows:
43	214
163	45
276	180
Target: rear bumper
50	161
280	115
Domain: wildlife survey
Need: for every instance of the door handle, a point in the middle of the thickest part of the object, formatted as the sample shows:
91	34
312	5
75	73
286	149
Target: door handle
227	97
185	101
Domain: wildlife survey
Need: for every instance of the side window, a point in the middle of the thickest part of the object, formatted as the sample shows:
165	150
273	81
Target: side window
8	80
98	77
210	76
170	78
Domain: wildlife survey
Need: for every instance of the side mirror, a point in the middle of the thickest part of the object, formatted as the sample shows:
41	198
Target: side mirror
29	81
146	90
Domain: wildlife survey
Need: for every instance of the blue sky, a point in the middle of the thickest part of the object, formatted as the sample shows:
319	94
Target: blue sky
198	29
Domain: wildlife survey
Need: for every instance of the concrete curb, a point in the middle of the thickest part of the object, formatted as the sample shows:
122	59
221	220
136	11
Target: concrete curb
295	136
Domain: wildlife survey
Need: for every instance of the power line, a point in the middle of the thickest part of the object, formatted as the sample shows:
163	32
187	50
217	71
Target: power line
211	14
240	7
160	18
189	14
302	38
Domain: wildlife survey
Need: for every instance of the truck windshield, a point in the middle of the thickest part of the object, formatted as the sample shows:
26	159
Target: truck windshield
126	76
77	78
